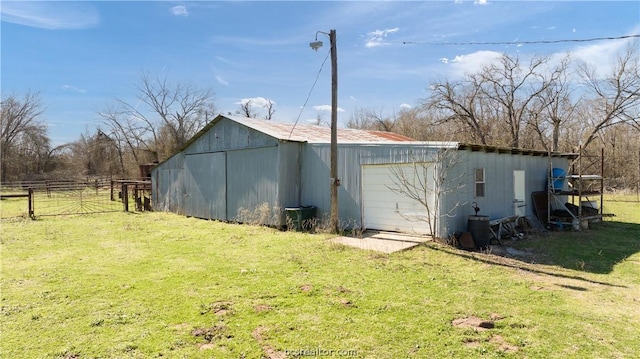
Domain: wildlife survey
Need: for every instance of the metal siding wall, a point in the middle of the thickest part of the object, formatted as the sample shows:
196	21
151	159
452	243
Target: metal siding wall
228	135
205	181
315	174
499	192
315	179
289	174
457	201
168	185
252	179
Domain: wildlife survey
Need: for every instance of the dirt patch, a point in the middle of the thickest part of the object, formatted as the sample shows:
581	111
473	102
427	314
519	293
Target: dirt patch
207	346
306	288
503	346
477	324
471	343
496	316
342	289
211	334
260	308
181	326
346	303
269	351
217	308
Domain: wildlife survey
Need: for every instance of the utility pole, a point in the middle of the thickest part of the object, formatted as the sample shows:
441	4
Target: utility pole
333	166
335	182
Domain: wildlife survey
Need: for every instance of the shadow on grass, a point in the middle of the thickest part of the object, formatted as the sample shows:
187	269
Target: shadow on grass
596	250
516	264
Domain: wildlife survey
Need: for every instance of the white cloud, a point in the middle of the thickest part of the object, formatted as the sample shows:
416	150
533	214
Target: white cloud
256	101
602	56
353	98
325	108
480	2
73	88
444	60
179	10
222	81
50	15
472	63
405	106
377	38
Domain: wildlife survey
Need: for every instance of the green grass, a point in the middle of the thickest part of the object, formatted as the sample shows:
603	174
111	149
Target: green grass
14	207
155	285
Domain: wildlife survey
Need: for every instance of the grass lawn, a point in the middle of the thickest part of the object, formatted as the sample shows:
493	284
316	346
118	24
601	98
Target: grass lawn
153	285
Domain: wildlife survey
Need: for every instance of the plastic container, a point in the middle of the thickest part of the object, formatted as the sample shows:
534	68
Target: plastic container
300	217
557	178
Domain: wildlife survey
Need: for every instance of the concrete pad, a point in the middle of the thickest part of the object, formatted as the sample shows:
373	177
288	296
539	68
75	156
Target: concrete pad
385	242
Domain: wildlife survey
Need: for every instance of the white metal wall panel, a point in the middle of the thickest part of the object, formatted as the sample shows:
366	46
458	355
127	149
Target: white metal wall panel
388	210
205	179
252	180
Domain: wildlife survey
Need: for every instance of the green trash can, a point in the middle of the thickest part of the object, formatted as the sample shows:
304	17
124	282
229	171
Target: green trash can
300	217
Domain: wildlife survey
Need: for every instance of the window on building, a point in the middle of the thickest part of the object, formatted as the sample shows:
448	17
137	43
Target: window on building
479	179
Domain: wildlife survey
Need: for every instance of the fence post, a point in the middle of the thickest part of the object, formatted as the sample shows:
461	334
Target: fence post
125	196
31	212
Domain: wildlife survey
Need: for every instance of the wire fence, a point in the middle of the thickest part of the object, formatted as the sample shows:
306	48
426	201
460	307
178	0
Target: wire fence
54	198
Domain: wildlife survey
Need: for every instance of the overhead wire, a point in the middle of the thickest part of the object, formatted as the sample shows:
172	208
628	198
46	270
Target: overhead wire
310	91
469	43
520	42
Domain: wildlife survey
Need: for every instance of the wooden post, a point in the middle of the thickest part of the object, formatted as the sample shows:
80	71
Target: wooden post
335	182
31	212
601	180
579	182
125	196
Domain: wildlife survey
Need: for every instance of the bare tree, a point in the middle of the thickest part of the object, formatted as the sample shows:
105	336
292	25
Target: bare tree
371	119
271	110
177	112
615	98
552	107
359	120
427	180
495	105
245	108
248	108
461	102
510	88
23	137
421	125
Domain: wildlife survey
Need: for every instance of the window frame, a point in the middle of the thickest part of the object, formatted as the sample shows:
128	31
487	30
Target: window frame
479	183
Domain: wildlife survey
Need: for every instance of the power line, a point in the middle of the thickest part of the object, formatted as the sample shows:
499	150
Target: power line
519	42
309	95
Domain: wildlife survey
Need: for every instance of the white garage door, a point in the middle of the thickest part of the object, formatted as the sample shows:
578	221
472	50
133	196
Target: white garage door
386	209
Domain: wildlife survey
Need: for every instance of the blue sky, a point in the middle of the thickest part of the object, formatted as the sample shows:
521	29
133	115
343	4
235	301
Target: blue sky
80	56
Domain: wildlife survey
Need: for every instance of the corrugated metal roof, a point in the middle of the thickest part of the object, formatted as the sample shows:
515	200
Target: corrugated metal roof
317	134
322	134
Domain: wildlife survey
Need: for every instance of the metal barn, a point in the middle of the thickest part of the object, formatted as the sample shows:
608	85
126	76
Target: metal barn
236	164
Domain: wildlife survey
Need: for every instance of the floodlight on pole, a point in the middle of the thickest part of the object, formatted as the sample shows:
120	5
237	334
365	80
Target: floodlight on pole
316	45
335	182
